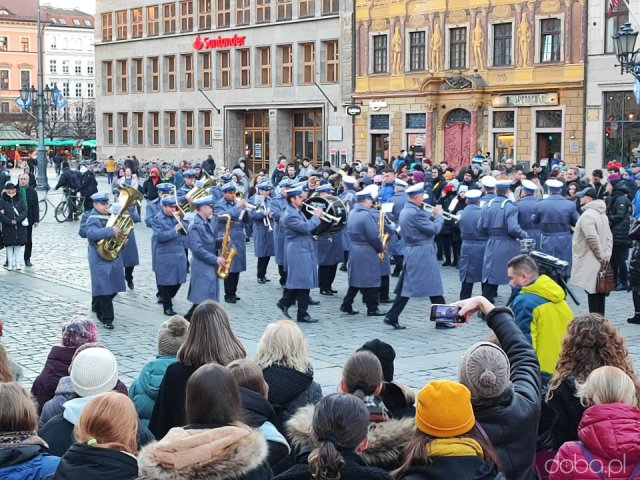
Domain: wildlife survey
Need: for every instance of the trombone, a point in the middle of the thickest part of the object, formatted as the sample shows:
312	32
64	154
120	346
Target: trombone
325	217
266	221
447	216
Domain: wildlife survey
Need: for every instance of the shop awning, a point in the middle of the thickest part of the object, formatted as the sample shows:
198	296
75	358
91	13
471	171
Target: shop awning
21	143
90	143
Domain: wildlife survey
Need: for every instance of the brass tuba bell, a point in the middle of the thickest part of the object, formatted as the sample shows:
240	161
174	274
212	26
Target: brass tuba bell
109	248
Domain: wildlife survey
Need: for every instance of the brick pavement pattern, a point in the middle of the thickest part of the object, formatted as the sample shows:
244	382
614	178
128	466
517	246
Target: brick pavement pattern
37	300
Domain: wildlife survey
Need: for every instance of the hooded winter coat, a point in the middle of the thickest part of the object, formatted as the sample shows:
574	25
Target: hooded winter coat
386	439
206	452
568	412
144	389
592	243
610	433
619	214
58	432
354	468
23	458
55	367
543	315
13	209
94	463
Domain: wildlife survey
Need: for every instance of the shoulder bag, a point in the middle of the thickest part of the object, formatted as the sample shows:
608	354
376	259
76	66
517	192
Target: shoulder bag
606	281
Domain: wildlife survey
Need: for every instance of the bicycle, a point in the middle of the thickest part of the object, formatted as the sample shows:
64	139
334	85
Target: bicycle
43	204
62	209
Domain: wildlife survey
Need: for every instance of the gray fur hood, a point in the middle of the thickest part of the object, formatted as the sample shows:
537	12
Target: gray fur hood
212	454
386	439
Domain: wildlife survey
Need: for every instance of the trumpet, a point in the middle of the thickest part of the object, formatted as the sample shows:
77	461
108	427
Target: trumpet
447	216
325	217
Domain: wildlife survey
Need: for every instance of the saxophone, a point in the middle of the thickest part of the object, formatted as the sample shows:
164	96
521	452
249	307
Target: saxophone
226	252
384	236
109	248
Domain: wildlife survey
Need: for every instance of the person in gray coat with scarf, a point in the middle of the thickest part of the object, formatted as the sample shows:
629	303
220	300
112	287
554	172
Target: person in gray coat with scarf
505	386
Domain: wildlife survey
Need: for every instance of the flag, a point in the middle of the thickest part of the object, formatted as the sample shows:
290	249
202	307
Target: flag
611	5
58	99
24	105
636	90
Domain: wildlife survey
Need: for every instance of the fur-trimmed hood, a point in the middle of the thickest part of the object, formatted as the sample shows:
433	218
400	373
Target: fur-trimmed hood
212	454
386	439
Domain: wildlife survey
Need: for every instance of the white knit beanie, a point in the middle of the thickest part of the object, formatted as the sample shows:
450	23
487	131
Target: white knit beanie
94	371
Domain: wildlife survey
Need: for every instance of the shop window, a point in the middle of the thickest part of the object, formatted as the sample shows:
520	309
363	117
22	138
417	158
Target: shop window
169	18
380	54
503	119
153	21
243	12
614	19
458	48
621	127
306	8
550	38
417	45
379	122
307	135
549	119
256	139
416	120
502	37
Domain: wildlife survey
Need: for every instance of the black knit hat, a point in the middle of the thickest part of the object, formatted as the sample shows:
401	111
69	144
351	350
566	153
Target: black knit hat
385	353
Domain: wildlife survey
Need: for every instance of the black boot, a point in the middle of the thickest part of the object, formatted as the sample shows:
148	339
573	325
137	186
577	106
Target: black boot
635	319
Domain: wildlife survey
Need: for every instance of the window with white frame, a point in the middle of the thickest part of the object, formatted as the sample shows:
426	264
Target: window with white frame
53	66
380	54
78	90
65	67
550	40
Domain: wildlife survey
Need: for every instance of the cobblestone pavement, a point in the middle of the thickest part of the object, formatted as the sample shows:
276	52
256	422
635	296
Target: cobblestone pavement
37	300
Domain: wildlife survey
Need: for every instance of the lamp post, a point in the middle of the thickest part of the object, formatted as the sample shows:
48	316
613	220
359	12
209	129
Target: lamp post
624	41
40	102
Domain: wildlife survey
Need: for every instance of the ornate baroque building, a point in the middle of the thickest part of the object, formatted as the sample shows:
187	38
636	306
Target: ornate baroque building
448	78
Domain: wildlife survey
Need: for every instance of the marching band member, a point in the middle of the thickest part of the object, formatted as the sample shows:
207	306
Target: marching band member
499	220
364	265
278	207
488	188
263	242
474	242
151	210
330	251
203	284
526	207
216	190
396	244
129	253
348	197
170	257
189	183
421	271
107	276
556	215
301	256
237	209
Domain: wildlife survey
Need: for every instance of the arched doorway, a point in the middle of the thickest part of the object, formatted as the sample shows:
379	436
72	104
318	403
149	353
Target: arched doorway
457	137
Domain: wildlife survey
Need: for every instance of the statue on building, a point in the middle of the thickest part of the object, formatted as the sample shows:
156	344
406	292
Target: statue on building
524	39
478	43
436	45
396	52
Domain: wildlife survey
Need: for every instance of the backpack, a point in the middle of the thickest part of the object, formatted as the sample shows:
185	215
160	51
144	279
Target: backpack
75	180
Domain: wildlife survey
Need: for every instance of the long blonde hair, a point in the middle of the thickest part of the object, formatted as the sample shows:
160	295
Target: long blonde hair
608	385
210	338
17	410
283	343
109	421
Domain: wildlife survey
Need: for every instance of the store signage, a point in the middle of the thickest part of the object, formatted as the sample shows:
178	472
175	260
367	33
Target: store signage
218	42
376	105
353	110
525	100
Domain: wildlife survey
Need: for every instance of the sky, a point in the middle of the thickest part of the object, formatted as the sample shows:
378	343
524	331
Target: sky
88	6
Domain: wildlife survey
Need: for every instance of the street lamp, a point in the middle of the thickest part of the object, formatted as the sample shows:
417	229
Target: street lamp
624	41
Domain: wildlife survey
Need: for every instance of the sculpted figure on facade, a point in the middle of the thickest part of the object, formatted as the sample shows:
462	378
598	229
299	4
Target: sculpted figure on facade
436	45
396	52
478	43
524	39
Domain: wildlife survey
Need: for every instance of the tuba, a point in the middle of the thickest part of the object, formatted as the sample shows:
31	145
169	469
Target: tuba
384	236
226	252
109	248
195	193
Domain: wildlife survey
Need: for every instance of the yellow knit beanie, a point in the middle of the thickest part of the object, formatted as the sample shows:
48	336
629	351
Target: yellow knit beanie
444	409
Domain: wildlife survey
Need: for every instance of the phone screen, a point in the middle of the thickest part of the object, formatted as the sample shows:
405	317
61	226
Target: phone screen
446	314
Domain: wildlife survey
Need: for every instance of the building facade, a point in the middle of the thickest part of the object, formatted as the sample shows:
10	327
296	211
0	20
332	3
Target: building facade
448	78
232	78
18	52
612	114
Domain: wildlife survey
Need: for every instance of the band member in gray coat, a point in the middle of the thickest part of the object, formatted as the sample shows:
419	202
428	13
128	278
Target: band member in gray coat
474	243
203	284
364	265
348	196
396	244
107	276
526	208
302	276
421	272
263	241
278	207
151	210
330	251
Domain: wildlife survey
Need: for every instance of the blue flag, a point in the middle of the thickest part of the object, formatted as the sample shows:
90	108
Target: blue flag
58	99
24	105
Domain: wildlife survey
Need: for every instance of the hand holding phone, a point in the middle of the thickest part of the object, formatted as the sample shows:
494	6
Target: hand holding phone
446	314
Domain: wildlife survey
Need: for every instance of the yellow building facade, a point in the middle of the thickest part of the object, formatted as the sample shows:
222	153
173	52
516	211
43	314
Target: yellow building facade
448	78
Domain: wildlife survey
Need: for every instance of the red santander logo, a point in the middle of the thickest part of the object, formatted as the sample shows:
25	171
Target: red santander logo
218	42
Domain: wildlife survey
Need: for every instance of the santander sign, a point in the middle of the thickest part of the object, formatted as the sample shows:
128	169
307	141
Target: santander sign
218	42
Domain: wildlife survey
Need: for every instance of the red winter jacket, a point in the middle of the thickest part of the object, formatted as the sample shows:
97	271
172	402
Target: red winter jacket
611	432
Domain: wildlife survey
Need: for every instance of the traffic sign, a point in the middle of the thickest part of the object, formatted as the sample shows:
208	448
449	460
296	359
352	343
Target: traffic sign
353	110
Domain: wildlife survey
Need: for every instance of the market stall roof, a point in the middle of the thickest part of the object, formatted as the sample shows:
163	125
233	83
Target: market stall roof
10	133
89	143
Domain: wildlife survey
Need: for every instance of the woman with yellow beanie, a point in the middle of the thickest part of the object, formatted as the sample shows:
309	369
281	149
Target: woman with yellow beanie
446	444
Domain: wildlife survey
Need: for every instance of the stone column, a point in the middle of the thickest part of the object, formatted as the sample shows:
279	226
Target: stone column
430	131
280	131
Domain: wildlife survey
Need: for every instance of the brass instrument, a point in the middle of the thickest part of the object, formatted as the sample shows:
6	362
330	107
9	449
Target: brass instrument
196	193
239	195
384	236
177	216
109	248
447	216
325	217
226	252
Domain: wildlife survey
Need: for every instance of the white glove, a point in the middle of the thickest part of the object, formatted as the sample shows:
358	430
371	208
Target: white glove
115	209
199	183
398	230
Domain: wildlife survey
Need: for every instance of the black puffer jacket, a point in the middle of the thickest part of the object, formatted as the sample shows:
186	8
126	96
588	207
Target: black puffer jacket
511	420
634	262
619	214
566	403
94	463
354	468
12	209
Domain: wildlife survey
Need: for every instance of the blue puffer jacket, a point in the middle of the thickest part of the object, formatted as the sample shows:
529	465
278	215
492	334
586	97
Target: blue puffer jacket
144	389
26	462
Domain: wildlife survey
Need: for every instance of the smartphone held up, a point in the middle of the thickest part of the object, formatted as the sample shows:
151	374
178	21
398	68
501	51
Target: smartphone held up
446	316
